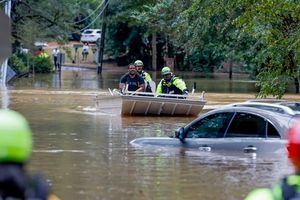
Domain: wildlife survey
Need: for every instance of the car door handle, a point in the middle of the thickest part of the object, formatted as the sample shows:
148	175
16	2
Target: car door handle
250	149
205	148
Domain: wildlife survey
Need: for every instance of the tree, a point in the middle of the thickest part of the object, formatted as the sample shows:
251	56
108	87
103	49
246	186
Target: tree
275	26
34	20
264	34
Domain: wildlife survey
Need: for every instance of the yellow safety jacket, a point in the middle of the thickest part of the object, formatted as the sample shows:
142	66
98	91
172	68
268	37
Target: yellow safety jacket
288	189
43	55
174	86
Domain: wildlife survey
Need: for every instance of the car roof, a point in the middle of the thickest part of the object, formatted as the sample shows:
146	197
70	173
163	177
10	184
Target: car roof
280	121
92	30
278	106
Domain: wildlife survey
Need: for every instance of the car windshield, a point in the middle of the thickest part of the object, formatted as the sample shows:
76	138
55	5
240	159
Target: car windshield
212	126
88	32
292	105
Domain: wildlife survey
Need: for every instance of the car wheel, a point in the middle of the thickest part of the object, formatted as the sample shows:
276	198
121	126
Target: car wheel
98	41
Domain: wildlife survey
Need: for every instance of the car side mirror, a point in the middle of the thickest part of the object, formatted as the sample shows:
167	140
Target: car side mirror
179	133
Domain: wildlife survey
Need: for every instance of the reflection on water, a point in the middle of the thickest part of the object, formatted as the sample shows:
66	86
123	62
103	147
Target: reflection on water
88	79
4	96
86	153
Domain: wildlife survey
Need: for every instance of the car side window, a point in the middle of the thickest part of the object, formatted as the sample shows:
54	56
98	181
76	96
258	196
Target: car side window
247	125
212	126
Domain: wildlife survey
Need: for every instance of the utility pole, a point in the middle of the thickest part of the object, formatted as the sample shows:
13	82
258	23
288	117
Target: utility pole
101	45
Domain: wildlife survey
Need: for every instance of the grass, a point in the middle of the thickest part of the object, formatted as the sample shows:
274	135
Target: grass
71	55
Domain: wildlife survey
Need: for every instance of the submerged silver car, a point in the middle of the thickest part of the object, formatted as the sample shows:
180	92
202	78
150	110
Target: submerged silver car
231	128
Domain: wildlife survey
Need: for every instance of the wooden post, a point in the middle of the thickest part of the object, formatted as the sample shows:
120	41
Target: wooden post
101	46
154	52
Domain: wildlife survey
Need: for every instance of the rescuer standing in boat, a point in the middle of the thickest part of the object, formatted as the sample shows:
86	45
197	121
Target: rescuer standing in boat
170	84
139	68
131	81
15	151
289	186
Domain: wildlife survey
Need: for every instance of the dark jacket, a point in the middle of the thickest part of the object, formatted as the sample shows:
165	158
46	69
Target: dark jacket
15	183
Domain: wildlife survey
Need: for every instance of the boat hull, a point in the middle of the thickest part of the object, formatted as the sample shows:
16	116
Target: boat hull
150	105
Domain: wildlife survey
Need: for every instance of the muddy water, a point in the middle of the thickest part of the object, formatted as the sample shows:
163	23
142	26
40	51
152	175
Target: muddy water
86	154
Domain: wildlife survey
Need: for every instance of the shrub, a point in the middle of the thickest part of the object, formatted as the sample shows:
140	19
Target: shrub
20	62
42	64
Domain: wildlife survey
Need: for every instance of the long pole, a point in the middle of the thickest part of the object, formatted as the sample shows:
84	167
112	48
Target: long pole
8	8
101	48
4	92
4	65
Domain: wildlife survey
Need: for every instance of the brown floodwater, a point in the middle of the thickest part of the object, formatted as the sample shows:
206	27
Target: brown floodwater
85	153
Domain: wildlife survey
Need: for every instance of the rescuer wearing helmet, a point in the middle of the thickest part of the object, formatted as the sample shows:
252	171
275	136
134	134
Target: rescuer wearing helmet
289	187
170	84
132	81
139	68
15	151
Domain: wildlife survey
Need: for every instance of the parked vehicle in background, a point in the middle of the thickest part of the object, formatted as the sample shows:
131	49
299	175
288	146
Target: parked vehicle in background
90	35
239	129
40	44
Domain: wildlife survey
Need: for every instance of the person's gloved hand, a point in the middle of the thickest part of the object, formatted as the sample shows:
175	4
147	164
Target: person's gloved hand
185	92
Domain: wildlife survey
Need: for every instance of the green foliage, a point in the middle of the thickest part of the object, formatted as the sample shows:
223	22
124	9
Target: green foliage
34	20
203	61
68	52
42	64
272	82
26	62
19	62
275	26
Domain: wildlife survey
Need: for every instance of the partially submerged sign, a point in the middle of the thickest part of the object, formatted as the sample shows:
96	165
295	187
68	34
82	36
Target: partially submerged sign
5	44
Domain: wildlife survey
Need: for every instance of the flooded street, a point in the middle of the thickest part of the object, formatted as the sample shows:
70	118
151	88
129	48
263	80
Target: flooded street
86	153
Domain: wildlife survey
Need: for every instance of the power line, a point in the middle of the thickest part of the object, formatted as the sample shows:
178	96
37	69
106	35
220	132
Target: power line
90	13
95	18
42	12
79	31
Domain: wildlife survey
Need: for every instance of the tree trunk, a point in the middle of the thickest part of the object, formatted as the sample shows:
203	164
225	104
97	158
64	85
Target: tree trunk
154	52
293	66
230	69
296	81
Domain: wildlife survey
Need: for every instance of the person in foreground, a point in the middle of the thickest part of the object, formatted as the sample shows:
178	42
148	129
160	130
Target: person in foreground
132	81
170	84
15	151
146	76
289	186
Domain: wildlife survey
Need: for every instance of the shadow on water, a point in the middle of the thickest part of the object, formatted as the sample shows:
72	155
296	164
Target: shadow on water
86	153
